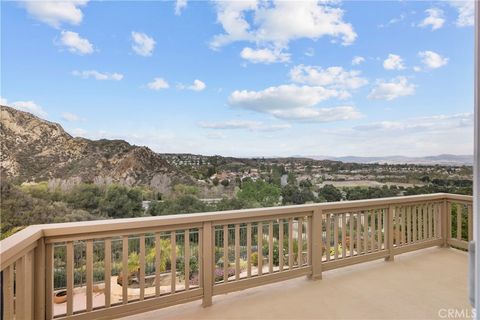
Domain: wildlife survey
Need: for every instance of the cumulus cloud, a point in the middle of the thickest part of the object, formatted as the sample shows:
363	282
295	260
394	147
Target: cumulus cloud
143	45
432	60
466	12
277	23
179	6
293	102
71	117
244	124
357	60
393	89
393	62
434	18
74	43
158	84
27	106
335	77
54	13
198	85
264	55
86	74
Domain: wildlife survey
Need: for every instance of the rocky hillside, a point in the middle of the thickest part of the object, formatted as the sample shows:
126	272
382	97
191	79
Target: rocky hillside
33	149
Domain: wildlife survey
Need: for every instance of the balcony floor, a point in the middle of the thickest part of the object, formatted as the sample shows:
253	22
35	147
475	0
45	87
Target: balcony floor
415	286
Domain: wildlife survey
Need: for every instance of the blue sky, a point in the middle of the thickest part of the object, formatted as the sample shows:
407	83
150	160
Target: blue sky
247	78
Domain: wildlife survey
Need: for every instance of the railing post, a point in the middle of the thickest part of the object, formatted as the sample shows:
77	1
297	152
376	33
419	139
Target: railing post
316	244
207	263
39	280
445	223
389	235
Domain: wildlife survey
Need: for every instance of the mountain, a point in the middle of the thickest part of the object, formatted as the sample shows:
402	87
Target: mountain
442	159
34	149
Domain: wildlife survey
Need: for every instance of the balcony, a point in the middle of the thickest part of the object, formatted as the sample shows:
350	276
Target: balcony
59	270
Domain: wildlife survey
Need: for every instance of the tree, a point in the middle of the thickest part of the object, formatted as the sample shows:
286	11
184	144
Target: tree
85	196
329	193
183	204
122	202
261	192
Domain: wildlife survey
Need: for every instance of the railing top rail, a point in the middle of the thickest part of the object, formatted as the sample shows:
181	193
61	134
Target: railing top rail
12	245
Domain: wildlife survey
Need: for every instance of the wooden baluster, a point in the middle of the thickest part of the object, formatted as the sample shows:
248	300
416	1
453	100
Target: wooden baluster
344	230
459	221
449	221
70	257
8	292
300	241
308	237
249	250
430	220
89	274
359	233
237	251
380	228
187	259
350	234
125	270
404	211
260	248
290	244
414	223
158	259
173	241
316	234
142	267
270	247
470	222
372	234
425	222
420	223
21	288
335	235
389	225
280	244
108	271
48	281
207	252
365	232
328	240
409	224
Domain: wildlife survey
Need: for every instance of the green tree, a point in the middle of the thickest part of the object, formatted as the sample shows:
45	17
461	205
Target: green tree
261	192
122	202
183	204
329	193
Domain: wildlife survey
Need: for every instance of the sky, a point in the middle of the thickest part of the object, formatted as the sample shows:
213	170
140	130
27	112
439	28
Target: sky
249	78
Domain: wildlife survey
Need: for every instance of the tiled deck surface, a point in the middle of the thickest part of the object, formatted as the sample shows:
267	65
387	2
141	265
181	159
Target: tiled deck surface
416	285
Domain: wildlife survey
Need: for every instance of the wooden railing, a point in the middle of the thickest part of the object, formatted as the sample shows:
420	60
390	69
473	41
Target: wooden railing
111	268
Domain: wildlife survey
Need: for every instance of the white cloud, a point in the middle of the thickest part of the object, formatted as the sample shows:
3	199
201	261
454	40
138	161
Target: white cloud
466	12
393	62
78	132
264	55
179	6
432	60
143	45
293	102
75	44
431	123
3	101
54	13
417	69
279	22
98	75
27	106
395	88
197	85
434	18
216	135
357	60
244	124
310	52
71	117
158	84
335	77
